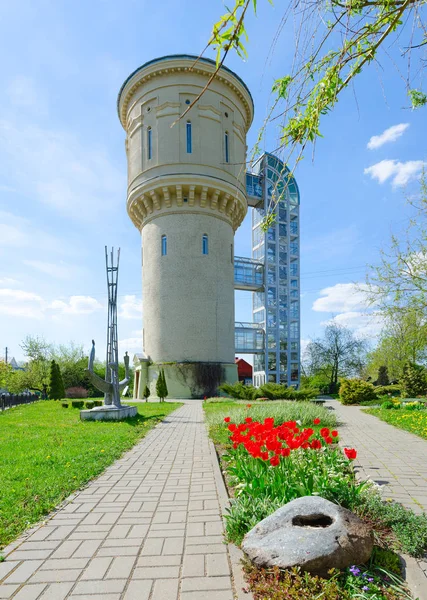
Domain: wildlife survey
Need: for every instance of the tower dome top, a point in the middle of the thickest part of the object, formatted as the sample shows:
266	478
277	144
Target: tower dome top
205	64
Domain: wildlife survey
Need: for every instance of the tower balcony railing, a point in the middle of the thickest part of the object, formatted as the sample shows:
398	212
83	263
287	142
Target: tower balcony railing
249	338
248	274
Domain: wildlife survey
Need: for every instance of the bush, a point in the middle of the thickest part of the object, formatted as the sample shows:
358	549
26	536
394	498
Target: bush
413	380
89	404
414	406
146	393
382	378
97	402
239	390
388	390
76	392
389	405
56	384
64	404
354	391
77	403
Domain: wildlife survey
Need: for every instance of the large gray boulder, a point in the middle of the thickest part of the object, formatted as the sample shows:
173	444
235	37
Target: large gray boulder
311	533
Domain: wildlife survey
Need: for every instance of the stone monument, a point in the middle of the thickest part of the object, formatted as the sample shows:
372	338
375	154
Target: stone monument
112	409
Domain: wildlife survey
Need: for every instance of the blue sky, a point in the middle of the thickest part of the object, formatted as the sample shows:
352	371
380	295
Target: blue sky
63	167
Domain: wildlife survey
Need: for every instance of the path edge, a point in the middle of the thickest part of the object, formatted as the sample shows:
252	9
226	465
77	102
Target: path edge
235	554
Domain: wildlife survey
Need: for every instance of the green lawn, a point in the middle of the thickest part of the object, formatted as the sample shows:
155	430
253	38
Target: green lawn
414	421
46	453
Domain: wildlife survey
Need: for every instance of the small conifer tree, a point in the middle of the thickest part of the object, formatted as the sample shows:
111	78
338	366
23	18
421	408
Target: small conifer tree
413	380
161	387
383	376
56	385
146	392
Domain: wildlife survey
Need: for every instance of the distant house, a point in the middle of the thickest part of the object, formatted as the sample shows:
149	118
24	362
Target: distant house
244	371
15	366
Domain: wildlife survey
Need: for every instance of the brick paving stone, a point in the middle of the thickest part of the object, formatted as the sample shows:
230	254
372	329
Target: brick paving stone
149	528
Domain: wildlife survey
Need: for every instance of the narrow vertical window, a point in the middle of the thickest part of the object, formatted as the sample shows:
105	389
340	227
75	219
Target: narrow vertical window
205	246
227	157
149	143
189	141
164	245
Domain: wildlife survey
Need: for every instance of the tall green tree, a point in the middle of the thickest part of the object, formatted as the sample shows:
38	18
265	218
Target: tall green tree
413	381
339	353
382	378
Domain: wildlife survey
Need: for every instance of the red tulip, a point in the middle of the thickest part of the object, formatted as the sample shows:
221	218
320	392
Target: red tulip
316	421
274	461
334	433
350	453
227	419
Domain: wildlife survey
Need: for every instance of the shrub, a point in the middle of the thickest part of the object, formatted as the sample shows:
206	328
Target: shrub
98	402
146	392
354	391
276	391
77	403
76	392
64	404
414	406
239	390
389	405
89	404
388	390
413	380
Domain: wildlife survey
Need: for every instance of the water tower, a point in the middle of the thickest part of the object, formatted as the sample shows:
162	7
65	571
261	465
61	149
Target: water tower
187	196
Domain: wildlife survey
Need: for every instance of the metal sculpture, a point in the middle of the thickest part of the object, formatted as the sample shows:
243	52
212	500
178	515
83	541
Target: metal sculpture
111	386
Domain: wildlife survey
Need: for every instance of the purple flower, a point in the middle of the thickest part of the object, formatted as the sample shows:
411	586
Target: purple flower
354	570
370	579
365	588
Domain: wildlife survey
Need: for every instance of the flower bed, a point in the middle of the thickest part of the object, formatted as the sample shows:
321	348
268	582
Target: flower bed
271	461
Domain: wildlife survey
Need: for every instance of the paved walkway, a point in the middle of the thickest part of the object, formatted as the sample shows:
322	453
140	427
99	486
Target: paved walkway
148	529
395	459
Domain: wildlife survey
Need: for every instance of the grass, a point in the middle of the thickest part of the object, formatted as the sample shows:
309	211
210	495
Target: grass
414	421
46	453
280	410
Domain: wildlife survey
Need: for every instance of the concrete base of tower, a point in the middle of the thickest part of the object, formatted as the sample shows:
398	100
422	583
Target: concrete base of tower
184	380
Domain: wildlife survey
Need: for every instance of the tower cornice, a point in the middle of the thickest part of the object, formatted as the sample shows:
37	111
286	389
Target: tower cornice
182	63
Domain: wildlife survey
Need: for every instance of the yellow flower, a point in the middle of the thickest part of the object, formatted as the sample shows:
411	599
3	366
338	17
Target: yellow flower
102	450
47	456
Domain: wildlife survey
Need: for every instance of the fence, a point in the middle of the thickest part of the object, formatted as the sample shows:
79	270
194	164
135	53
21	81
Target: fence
9	400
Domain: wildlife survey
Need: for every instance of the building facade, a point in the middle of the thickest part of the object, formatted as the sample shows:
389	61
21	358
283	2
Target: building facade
188	192
187	196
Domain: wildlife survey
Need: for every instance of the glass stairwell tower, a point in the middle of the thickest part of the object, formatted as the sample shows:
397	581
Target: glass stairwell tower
273	275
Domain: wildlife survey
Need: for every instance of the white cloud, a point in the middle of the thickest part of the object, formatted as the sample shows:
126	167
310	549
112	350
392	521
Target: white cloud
342	297
132	345
131	307
64	172
8	281
364	324
400	172
59	270
77	305
19	303
389	135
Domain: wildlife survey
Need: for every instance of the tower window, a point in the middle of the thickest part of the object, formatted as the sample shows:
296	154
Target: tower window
227	157
164	245
205	245
149	143
189	141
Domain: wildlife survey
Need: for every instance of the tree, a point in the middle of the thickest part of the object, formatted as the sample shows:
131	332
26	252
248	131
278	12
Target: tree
338	354
6	374
161	387
335	40
413	381
399	282
56	384
403	339
146	392
72	361
37	369
382	378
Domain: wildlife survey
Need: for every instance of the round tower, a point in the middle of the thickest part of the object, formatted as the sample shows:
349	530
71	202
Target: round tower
187	196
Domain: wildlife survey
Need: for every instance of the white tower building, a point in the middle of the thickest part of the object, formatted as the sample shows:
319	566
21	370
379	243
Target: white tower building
187	196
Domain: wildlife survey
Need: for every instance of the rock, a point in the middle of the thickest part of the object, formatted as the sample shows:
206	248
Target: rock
311	533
